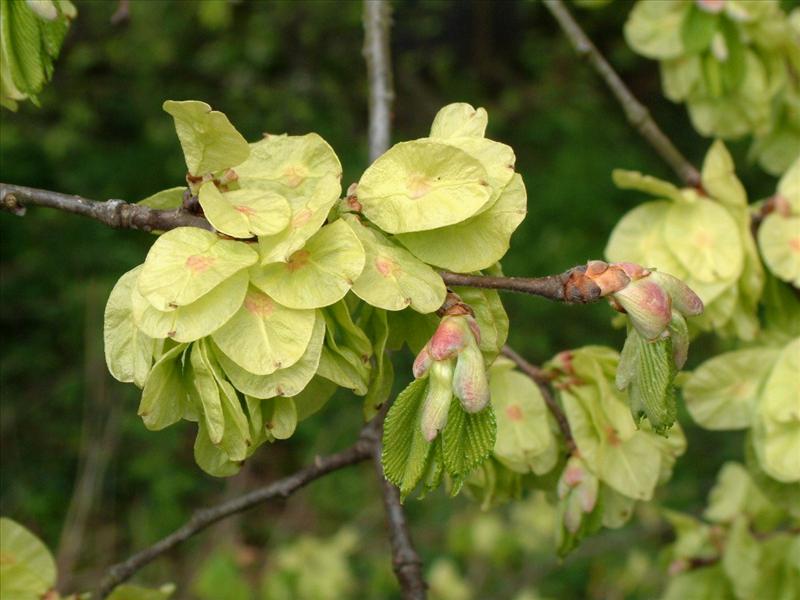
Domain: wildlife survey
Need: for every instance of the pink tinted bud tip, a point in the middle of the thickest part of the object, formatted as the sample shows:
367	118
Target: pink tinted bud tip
711	6
422	363
632	270
449	338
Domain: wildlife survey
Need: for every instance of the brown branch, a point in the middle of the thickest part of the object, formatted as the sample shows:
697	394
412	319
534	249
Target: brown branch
283	488
406	563
114	213
377	20
636	113
540	379
570	287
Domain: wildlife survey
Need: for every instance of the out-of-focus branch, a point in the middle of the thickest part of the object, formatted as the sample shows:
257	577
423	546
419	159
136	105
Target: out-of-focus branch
377	20
406	562
114	213
635	111
541	380
283	488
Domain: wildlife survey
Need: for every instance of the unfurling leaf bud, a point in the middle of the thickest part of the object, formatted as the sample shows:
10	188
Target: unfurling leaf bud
422	363
648	306
578	488
450	337
684	300
679	332
437	399
470	384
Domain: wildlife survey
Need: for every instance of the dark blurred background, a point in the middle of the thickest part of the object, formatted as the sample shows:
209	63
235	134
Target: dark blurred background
79	468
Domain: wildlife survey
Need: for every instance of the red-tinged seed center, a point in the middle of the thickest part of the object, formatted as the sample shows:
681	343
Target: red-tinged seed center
258	304
514	412
197	263
245	210
612	437
298	260
418	185
385	266
703	240
294	175
301	218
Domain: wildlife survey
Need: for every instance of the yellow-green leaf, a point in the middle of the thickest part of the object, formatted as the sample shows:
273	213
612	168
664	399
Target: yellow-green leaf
244	213
393	278
779	241
192	321
317	275
705	239
128	351
422	185
459	120
525	442
476	243
719	177
283	382
264	336
722	392
186	263
27	569
209	142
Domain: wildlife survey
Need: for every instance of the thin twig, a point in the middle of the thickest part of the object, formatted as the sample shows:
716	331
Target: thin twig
283	488
377	20
635	111
406	562
569	287
114	213
541	380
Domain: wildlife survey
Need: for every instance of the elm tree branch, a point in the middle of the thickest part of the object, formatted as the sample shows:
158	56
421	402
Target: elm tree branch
114	213
637	114
283	488
377	20
540	379
406	563
570	287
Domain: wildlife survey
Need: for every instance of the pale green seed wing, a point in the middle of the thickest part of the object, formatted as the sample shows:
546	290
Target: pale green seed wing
284	382
209	141
705	239
459	120
779	241
393	278
319	274
264	336
477	243
128	351
422	185
244	213
27	569
186	263
196	320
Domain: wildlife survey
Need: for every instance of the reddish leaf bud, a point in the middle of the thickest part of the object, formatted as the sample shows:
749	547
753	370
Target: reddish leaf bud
470	384
422	363
450	337
437	399
684	300
648	306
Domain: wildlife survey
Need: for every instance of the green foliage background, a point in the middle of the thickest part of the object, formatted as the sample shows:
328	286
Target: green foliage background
297	67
